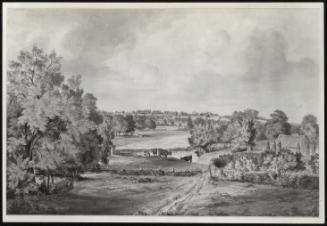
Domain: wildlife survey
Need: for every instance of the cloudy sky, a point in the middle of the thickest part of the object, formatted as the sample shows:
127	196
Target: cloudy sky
217	60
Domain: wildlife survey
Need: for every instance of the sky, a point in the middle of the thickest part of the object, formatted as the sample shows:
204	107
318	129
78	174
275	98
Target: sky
217	60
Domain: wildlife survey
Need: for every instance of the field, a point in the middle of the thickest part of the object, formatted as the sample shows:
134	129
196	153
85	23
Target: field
162	137
130	186
115	194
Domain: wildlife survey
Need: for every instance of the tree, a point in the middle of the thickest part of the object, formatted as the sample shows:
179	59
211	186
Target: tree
33	83
247	135
89	103
295	129
251	113
232	132
106	131
189	123
50	124
277	125
149	123
130	124
260	131
140	122
310	129
120	124
239	120
206	132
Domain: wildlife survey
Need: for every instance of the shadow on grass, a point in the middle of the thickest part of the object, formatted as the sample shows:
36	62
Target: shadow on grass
73	204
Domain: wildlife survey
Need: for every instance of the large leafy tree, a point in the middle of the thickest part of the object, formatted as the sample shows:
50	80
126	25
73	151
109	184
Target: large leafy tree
120	124
89	103
277	125
130	124
310	129
247	134
260	131
33	94
189	123
206	132
150	123
238	122
49	122
106	131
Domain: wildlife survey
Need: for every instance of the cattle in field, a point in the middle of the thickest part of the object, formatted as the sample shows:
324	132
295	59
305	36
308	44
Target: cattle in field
149	153
187	158
163	153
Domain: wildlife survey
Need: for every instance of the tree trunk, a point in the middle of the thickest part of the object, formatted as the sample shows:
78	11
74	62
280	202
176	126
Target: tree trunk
48	183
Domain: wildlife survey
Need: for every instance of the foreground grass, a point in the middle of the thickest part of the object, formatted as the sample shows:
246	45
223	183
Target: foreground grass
107	193
224	198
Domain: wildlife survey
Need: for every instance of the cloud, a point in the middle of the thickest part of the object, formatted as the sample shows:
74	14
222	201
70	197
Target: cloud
197	59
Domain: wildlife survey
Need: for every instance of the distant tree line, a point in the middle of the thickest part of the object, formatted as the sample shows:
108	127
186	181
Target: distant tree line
244	128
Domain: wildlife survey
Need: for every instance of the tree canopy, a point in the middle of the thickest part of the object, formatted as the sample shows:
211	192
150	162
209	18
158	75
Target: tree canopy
277	125
52	124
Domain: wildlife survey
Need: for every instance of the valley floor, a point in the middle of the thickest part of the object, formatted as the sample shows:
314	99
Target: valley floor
111	193
107	193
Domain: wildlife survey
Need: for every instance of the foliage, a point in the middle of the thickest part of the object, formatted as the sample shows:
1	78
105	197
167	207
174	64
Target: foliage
260	131
313	164
295	129
206	132
140	122
310	129
189	123
277	125
284	168
106	131
130	123
120	125
150	123
247	134
143	122
52	126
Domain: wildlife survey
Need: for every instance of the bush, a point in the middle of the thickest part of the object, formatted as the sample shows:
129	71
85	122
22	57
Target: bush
313	164
284	168
145	180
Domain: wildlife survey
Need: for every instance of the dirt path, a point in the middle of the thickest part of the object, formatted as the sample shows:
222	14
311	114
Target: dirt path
194	190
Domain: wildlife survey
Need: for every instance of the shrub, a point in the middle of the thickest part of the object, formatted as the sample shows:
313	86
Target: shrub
284	168
313	164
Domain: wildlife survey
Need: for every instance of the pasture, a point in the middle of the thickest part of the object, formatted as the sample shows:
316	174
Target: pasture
161	137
